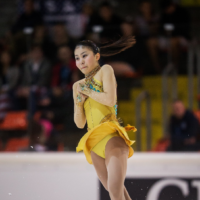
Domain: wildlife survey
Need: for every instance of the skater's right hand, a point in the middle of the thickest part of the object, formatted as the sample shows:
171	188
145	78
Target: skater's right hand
82	96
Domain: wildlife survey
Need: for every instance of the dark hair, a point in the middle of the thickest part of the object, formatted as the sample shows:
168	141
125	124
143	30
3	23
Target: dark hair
36	46
110	49
165	4
149	2
105	4
28	0
143	1
63	46
129	20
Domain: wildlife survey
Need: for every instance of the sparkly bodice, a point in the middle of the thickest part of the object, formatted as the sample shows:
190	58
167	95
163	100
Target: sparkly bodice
96	112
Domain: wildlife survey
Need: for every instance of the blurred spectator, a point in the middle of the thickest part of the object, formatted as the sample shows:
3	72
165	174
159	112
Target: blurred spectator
6	43
127	62
43	137
9	72
28	19
174	23
77	22
105	22
85	16
9	77
40	37
36	77
184	129
61	37
146	21
22	30
178	17
58	105
4	98
37	69
2	44
65	72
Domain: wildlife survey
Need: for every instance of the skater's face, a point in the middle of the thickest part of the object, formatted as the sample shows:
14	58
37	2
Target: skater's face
85	58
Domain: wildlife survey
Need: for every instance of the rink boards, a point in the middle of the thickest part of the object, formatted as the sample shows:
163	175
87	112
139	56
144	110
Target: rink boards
68	176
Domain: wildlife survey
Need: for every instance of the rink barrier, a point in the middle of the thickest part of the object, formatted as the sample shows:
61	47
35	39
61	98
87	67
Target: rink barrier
193	52
143	96
169	70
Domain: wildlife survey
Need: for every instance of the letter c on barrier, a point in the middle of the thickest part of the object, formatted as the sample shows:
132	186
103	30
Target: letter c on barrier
155	190
196	184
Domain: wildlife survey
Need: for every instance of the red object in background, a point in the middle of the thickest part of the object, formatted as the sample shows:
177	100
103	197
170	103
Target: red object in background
137	74
197	114
16	120
55	82
60	147
198	97
15	144
162	145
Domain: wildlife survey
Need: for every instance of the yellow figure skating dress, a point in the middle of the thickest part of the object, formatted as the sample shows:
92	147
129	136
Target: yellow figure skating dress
102	125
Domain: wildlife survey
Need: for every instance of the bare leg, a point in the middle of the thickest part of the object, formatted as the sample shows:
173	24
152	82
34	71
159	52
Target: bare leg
116	154
101	170
100	167
126	194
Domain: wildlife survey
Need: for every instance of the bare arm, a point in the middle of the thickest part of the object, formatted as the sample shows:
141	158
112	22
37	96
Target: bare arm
108	96
79	115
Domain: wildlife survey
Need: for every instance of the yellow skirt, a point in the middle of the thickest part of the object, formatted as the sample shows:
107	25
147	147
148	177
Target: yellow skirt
98	136
99	148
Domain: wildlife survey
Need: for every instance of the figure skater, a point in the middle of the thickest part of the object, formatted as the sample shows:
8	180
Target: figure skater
106	145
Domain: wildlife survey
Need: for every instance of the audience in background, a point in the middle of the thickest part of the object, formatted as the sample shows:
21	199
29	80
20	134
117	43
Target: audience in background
9	80
9	72
77	22
105	24
174	33
37	69
146	21
61	37
58	106
85	17
4	97
184	129
36	78
65	72
22	31
28	19
44	70
127	62
43	136
41	38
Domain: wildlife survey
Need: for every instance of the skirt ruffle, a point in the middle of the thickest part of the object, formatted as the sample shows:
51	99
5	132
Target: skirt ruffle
93	136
